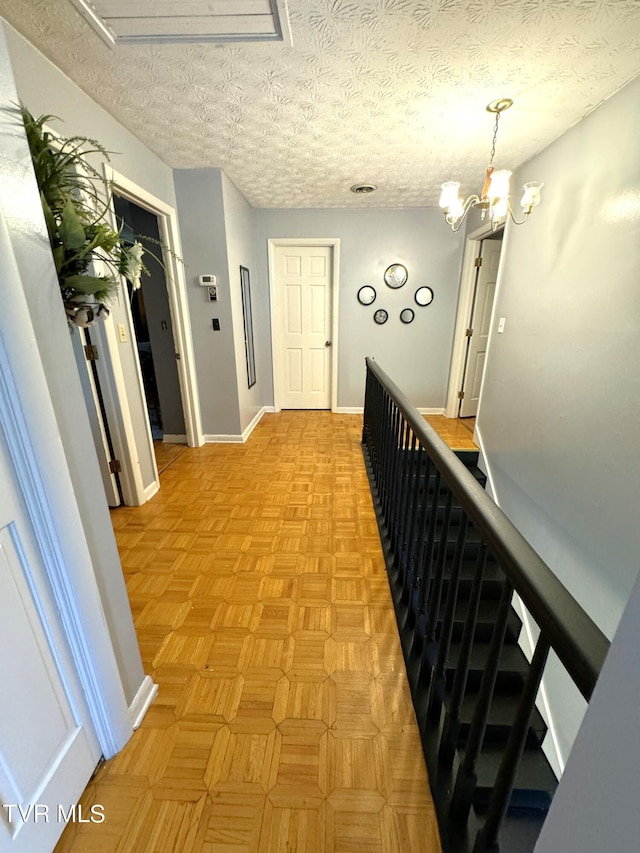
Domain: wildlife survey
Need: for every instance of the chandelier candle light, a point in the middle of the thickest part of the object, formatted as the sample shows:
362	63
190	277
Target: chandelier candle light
494	198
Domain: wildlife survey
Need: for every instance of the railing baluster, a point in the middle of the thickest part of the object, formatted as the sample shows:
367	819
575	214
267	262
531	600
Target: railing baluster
466	778
429	645
405	496
451	727
389	417
415	531
439	679
487	838
415	617
397	438
424	590
373	425
412	580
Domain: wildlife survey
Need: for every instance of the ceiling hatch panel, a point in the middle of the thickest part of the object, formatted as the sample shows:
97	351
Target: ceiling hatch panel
148	21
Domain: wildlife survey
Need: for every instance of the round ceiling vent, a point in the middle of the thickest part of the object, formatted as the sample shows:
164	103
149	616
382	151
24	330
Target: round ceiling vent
363	189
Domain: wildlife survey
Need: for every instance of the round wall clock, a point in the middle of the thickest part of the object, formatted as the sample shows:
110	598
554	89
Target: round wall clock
396	275
407	315
380	316
366	295
424	296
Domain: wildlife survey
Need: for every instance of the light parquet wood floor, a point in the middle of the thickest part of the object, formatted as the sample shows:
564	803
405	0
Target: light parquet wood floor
457	433
283	720
166	454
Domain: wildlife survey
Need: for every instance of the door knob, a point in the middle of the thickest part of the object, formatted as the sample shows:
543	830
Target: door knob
327	343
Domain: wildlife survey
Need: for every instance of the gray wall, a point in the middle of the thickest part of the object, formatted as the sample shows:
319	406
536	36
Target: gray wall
204	247
238	217
416	356
596	805
33	254
560	405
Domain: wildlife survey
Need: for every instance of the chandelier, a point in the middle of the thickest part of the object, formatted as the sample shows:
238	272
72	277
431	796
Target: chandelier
494	198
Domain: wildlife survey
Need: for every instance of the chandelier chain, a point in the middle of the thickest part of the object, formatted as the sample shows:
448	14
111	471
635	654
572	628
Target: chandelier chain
495	137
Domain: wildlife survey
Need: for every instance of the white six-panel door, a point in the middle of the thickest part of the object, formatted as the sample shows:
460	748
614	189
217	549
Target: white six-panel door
303	288
48	749
480	325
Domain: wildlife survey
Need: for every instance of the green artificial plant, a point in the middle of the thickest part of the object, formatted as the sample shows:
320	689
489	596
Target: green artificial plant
89	255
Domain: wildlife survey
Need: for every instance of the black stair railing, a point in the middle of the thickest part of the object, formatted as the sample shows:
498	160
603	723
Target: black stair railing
454	561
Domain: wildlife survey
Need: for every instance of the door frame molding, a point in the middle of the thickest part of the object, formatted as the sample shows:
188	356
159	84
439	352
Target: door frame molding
332	243
465	303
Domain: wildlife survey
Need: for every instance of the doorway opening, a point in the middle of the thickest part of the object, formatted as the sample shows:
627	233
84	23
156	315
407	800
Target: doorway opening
153	330
475	310
114	344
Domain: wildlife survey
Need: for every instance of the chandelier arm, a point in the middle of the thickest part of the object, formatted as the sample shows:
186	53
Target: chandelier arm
518	221
473	199
457	221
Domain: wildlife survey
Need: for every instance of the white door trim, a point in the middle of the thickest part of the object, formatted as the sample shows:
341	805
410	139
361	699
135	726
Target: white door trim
465	302
116	394
96	417
29	423
327	242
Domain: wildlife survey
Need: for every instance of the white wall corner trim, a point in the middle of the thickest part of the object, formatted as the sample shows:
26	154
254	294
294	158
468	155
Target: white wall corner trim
147	692
152	489
254	423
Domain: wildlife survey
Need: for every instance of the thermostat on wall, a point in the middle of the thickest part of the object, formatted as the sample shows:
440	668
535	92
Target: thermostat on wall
207	280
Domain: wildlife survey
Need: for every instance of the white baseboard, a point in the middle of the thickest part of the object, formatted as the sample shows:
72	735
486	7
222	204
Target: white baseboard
431	411
167	438
141	701
238	438
349	410
222	439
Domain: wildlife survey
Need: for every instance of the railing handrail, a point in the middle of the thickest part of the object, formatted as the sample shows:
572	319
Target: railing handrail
574	636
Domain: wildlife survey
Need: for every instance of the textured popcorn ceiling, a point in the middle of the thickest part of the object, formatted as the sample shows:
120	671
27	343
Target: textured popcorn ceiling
390	92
